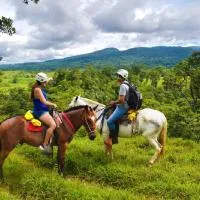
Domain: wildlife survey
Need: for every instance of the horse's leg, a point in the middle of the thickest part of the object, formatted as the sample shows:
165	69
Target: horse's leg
6	148
108	147
154	142
61	157
162	138
159	146
0	147
3	156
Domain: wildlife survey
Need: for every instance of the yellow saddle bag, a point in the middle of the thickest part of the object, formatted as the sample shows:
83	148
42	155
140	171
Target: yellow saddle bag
36	122
132	115
29	115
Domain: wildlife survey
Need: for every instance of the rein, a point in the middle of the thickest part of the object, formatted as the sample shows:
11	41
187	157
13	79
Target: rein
100	109
105	110
68	120
103	114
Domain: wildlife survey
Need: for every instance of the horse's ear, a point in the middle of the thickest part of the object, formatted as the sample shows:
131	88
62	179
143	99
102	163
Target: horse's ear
76	98
88	108
94	108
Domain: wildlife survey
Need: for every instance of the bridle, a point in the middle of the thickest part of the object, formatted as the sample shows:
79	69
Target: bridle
87	125
66	119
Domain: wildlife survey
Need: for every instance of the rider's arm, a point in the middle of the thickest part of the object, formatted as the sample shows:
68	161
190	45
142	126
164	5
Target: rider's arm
39	95
120	100
121	96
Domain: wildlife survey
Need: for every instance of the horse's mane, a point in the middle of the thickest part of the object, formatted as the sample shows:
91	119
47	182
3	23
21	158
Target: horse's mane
75	108
91	101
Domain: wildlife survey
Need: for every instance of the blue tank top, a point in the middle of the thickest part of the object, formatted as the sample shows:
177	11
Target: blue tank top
38	105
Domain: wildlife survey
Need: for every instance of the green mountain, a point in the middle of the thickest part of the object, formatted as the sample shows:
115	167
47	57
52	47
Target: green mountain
153	56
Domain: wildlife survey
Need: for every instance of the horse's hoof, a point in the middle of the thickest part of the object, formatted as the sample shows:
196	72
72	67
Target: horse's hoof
150	164
61	174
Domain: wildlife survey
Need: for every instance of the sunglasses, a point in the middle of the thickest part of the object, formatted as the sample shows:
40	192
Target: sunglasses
119	77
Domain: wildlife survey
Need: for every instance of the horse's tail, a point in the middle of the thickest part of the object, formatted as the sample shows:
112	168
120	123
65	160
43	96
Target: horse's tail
163	137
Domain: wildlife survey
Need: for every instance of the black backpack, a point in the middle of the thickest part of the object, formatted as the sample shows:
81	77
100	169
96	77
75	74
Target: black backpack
134	97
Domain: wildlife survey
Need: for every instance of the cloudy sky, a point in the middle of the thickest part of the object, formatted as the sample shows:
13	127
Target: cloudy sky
56	29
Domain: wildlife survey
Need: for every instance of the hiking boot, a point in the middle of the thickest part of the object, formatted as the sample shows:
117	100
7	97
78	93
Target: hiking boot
115	140
114	136
46	148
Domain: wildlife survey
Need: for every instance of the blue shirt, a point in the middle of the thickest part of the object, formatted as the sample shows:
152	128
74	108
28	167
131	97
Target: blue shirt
38	105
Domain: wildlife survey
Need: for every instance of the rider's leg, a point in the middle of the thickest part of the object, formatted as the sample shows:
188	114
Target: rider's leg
116	115
49	121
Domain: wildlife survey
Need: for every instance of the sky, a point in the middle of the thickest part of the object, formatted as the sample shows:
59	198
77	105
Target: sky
56	29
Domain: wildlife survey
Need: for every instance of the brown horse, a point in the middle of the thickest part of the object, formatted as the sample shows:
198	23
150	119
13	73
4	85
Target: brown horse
14	131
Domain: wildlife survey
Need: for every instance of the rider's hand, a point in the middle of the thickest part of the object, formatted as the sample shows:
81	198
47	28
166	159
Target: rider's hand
54	105
112	103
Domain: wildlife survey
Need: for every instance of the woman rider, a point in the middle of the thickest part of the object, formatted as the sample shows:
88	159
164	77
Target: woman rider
41	108
121	107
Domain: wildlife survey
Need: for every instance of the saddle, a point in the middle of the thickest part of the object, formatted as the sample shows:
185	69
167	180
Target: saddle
34	125
128	118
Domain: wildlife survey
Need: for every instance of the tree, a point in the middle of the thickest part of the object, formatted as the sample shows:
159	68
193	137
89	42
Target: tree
191	68
6	24
27	1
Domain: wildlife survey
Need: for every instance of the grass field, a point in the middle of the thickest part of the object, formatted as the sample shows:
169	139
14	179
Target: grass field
20	79
90	175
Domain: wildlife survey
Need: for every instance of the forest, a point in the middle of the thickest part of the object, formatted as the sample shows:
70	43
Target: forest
174	91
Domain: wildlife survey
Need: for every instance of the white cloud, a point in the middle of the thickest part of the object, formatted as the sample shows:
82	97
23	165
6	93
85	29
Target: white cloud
54	29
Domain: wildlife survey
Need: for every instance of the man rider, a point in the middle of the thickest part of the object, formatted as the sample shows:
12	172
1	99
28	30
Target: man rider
121	106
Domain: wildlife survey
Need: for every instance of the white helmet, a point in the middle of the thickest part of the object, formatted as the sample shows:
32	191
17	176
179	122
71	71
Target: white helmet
123	73
42	77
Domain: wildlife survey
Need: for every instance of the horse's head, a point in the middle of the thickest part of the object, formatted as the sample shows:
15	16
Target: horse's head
90	121
81	101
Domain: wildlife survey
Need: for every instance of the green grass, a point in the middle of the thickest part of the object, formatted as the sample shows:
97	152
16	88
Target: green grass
5	195
90	175
19	79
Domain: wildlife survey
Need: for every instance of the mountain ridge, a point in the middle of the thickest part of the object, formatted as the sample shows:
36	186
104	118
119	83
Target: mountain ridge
150	56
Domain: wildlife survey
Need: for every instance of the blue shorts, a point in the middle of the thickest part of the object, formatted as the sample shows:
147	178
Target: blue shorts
39	113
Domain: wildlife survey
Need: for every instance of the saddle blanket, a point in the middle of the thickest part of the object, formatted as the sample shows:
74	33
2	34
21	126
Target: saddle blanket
33	128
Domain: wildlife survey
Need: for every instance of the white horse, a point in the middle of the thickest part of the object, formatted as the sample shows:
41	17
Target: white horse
150	123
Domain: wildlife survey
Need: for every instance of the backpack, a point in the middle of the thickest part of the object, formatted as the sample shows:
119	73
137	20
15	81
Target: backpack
134	97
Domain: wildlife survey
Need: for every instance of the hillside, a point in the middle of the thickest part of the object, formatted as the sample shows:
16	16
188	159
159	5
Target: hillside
154	56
